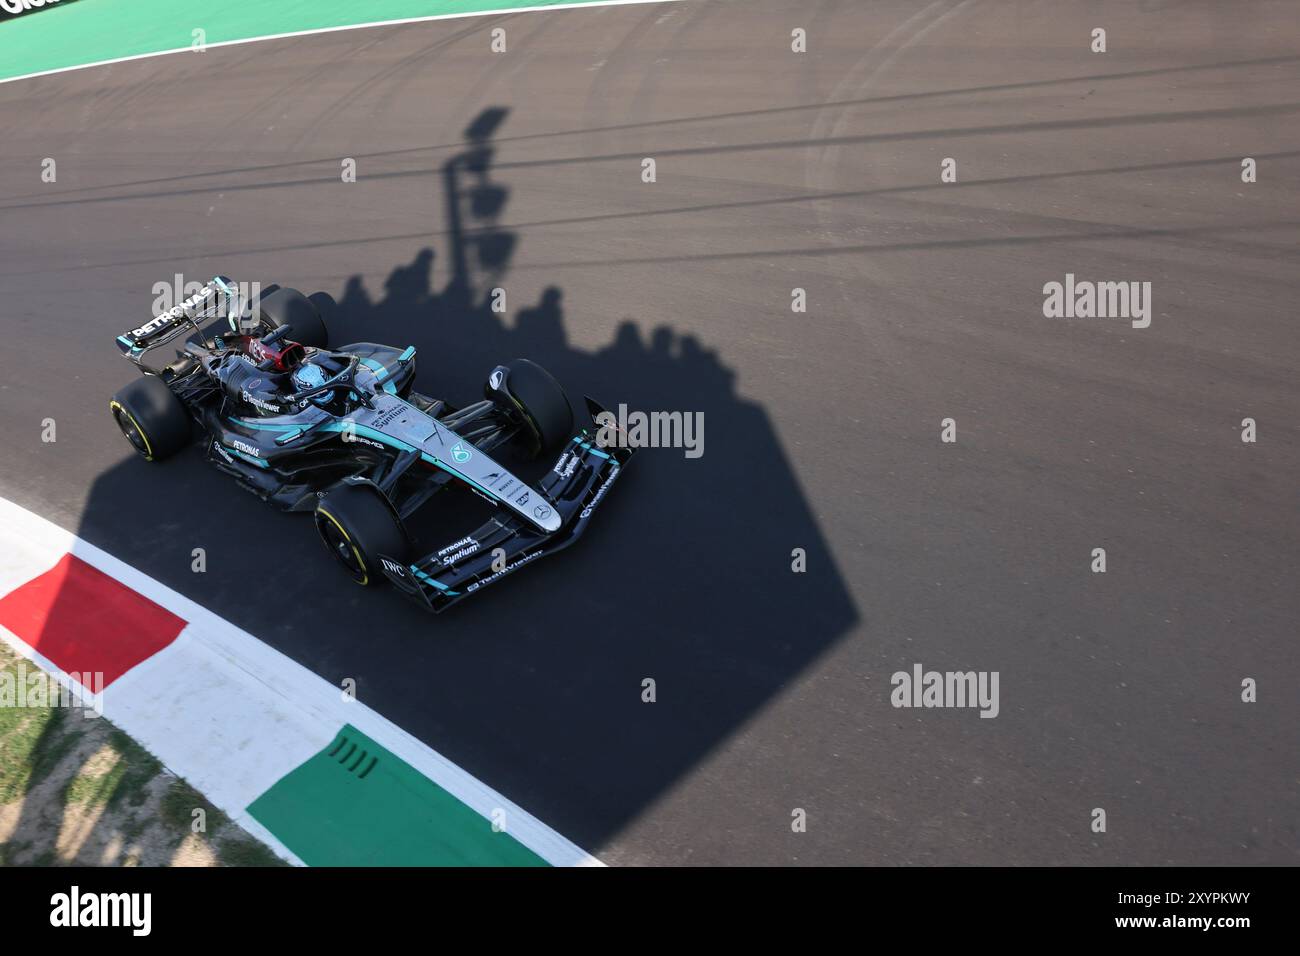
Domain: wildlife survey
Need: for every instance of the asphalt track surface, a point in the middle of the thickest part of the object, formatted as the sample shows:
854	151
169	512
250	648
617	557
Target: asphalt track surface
775	171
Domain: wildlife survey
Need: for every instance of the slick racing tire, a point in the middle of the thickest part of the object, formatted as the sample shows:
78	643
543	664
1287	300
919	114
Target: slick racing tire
357	526
151	418
543	403
290	307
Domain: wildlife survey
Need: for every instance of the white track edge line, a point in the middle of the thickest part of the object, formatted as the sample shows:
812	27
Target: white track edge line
239	815
549	844
338	29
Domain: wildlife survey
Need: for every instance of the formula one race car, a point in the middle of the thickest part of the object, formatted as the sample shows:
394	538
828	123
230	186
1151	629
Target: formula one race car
343	434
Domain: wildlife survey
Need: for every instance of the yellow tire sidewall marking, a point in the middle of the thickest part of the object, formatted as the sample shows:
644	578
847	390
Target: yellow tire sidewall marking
365	573
143	436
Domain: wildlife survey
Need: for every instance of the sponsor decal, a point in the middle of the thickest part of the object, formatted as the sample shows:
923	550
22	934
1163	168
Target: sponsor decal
149	328
566	466
457	555
466	545
246	448
496	378
503	572
501	482
383	418
394	567
261	403
222	451
173	314
487	498
236	302
349	435
600	493
541	512
460	454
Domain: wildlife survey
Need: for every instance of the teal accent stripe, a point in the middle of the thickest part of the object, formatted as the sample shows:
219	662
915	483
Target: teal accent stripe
381	373
591	448
328	428
428	580
265	426
369	432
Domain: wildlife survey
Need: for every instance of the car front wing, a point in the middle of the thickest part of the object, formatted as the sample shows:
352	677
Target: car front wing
577	483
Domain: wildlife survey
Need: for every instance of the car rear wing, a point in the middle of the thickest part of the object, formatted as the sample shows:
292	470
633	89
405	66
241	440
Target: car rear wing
218	298
577	482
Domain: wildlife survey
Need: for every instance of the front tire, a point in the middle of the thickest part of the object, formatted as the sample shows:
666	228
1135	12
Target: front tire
357	526
543	403
151	418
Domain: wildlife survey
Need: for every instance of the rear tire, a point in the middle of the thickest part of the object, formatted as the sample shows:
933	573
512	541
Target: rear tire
291	307
543	403
151	418
357	526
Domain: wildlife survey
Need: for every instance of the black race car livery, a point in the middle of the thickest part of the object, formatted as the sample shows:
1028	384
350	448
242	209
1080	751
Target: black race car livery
344	435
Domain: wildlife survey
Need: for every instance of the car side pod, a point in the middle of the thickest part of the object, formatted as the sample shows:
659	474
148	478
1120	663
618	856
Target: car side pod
574	487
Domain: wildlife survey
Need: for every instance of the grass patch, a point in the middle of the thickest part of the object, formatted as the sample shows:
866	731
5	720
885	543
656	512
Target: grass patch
141	768
247	852
22	731
57	740
88	789
125	783
178	806
131	810
33	741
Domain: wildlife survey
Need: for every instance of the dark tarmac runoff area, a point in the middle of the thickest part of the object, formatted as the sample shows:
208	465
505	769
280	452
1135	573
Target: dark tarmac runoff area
942	457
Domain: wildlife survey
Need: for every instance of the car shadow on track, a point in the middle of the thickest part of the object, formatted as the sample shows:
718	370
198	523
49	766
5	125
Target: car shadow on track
537	685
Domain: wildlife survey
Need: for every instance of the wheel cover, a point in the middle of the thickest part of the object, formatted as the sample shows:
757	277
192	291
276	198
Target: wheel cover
341	546
132	431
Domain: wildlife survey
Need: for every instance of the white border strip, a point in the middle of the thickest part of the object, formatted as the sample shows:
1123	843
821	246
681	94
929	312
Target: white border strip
305	699
339	29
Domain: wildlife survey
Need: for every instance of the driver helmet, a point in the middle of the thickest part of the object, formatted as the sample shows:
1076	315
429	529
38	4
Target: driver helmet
308	375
